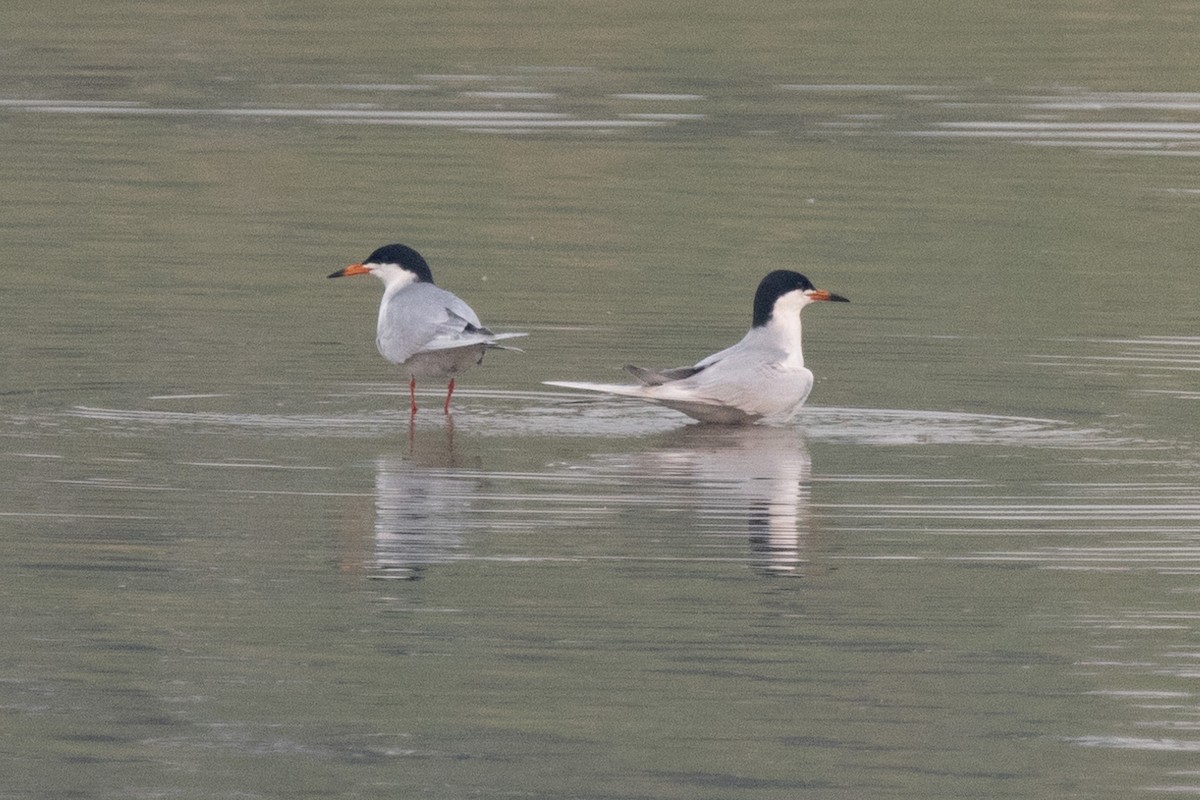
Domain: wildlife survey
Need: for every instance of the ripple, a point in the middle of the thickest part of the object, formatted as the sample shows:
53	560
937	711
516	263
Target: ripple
658	96
1073	118
567	100
1134	743
459	119
514	413
1171	361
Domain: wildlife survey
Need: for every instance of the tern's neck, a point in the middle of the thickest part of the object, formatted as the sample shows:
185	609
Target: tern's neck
784	331
394	278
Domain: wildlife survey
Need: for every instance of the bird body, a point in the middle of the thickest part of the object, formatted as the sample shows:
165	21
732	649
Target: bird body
761	378
429	331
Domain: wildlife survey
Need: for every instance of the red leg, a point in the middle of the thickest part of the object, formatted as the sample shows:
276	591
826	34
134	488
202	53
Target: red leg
412	394
449	391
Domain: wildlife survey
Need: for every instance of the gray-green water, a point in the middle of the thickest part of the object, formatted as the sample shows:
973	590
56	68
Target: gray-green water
230	568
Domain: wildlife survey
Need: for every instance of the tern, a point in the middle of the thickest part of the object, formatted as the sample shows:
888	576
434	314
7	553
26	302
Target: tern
762	378
422	327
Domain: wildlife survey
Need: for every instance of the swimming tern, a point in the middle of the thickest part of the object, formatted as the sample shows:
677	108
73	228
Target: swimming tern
422	327
761	378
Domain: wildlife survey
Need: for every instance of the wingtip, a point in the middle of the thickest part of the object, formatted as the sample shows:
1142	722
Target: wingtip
620	389
499	337
582	387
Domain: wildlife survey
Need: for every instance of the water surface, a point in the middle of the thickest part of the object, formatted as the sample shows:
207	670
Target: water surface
232	567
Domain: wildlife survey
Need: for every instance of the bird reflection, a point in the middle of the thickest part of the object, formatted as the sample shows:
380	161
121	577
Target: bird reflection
756	474
749	485
421	503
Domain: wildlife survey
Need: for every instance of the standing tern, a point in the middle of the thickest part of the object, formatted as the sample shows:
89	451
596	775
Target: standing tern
423	328
761	378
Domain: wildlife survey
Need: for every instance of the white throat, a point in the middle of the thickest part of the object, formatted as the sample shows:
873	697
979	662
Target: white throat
784	327
394	280
394	277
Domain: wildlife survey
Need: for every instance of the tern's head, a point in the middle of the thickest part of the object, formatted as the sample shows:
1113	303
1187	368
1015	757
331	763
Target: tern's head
392	264
783	291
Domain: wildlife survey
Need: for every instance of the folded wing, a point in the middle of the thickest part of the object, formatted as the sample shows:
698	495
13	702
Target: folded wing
431	319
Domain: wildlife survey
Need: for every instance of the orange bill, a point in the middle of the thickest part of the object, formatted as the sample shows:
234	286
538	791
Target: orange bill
353	269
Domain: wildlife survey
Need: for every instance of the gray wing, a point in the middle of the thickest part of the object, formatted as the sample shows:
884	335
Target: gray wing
657	377
423	317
